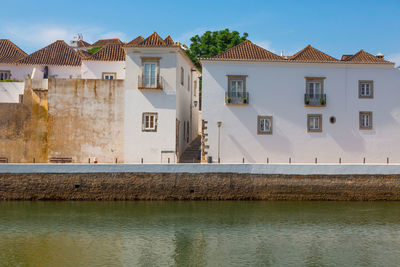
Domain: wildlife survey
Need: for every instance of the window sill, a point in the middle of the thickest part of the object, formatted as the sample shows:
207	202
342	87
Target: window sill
314	106
149	88
235	104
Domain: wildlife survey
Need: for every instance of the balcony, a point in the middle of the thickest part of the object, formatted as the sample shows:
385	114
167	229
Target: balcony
147	82
237	98
316	100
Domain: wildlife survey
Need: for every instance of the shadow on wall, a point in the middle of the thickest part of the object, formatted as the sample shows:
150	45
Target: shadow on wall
159	98
247	156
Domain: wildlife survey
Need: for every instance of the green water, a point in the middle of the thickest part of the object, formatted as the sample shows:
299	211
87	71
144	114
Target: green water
200	233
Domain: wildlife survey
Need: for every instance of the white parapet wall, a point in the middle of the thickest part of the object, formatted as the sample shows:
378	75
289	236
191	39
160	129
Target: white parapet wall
10	91
278	169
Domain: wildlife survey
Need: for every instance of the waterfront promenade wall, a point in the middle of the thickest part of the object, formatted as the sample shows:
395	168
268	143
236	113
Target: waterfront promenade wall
198	182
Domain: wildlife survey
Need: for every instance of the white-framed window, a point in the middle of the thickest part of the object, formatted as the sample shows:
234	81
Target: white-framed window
109	76
4	75
182	76
314	87
149	122
365	89
365	120
314	123
150	74
264	125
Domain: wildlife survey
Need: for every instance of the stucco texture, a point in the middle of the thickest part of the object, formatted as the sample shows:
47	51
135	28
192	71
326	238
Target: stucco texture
73	118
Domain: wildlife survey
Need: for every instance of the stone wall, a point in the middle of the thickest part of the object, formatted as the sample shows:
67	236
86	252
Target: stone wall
86	119
72	118
200	186
23	129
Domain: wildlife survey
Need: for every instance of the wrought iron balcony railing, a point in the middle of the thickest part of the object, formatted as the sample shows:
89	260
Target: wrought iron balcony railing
150	82
237	98
315	99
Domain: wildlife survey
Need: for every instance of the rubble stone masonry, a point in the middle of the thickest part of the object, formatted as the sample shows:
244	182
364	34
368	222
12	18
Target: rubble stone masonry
196	186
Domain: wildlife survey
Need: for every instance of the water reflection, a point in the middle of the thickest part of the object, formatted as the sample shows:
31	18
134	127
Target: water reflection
199	233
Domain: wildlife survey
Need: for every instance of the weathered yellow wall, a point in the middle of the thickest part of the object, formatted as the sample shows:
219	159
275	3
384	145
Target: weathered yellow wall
86	119
23	129
73	118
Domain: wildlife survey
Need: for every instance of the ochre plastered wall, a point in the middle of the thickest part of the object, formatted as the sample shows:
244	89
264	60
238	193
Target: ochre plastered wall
23	129
73	118
86	119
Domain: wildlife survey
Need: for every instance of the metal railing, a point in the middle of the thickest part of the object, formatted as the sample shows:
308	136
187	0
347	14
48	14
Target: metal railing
147	82
236	98
315	99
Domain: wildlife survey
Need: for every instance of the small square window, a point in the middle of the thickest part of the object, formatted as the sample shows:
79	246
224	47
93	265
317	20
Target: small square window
149	122
109	76
314	123
4	75
264	125
365	89
365	120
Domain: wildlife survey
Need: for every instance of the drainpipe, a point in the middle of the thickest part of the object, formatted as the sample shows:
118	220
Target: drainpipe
219	123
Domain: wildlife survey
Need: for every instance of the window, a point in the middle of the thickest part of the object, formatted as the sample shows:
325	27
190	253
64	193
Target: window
195	88
264	125
315	91
314	123
4	75
109	75
182	75
188	83
150	73
365	89
149	122
365	120
237	89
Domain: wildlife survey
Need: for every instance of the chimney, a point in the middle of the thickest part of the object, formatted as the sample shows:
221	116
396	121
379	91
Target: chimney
380	55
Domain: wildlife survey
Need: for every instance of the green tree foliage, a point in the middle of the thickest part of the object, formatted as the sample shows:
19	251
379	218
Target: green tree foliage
211	44
94	49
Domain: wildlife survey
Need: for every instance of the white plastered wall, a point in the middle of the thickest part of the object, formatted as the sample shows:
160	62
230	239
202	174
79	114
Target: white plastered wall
95	69
277	89
148	146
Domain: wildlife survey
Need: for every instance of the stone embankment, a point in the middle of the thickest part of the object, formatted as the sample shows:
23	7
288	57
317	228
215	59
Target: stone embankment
199	182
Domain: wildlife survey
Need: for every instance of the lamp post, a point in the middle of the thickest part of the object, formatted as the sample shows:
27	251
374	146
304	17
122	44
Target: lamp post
219	123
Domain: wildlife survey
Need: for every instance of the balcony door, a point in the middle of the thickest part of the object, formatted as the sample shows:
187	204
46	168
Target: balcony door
314	90
236	89
150	74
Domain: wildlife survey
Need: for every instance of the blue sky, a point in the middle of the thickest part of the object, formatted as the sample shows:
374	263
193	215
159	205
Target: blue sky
335	27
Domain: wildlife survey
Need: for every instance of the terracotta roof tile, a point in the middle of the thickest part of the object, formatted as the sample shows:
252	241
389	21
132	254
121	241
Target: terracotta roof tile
9	52
82	44
364	57
154	40
112	52
136	41
310	54
83	54
168	40
57	53
247	51
103	42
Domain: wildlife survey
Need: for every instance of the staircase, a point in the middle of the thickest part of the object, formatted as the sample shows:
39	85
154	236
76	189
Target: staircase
192	153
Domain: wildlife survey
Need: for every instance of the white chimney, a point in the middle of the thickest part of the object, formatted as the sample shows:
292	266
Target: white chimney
380	55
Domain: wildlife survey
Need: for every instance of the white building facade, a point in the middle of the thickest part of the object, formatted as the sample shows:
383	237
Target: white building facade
262	108
161	103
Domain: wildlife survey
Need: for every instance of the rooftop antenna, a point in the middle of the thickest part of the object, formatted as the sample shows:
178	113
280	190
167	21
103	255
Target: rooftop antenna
78	36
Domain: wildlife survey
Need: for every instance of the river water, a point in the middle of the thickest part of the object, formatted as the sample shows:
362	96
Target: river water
241	233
